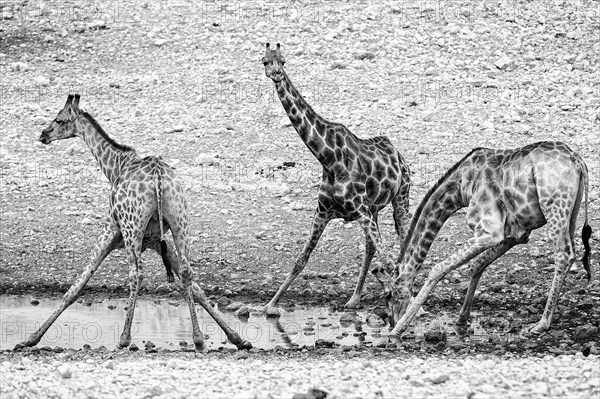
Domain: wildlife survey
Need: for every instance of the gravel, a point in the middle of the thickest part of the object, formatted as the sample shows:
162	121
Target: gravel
283	374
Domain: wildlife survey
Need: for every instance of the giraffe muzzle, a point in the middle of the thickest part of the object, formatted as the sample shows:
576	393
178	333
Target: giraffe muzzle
44	139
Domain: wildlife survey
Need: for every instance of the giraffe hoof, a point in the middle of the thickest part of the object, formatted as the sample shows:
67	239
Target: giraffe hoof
353	303
272	312
244	345
461	322
20	345
536	329
200	348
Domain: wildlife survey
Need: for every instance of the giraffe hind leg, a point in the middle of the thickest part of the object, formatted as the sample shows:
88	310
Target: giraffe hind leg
175	213
135	282
369	254
200	298
564	258
477	268
401	214
186	276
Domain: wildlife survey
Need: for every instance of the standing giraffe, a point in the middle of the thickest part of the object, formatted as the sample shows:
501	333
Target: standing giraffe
145	201
360	177
509	193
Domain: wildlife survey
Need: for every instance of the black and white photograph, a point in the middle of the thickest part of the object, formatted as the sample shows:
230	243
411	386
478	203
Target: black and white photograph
300	199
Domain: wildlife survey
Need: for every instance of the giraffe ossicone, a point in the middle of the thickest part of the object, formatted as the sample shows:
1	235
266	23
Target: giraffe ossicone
360	177
508	193
146	199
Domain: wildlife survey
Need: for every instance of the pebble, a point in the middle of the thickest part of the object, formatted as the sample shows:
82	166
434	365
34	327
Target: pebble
243	312
232	307
19	66
338	65
41	80
585	332
435	332
348	317
440	379
504	63
205	159
109	364
64	371
374	320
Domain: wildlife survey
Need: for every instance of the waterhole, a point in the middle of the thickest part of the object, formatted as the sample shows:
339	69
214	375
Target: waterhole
166	323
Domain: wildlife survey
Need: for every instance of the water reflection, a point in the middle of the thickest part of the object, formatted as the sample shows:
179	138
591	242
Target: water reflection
166	324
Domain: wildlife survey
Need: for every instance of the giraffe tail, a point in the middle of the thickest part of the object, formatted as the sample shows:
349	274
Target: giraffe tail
163	244
586	232
158	185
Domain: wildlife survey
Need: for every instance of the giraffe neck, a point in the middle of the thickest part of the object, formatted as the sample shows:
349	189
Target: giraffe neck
442	200
314	130
110	155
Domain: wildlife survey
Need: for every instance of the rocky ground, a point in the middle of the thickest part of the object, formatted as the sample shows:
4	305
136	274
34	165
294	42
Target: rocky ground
183	80
307	374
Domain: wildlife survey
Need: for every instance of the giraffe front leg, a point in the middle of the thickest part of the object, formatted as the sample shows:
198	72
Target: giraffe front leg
471	249
109	240
135	281
319	223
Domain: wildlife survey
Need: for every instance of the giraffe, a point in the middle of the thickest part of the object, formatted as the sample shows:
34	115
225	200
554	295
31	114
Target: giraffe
360	177
509	193
146	200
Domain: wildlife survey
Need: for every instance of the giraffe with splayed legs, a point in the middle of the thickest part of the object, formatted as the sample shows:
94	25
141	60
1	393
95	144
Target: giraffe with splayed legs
509	193
360	177
146	200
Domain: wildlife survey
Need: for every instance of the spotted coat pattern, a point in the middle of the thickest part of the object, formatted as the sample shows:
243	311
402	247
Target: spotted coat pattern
146	200
360	176
508	194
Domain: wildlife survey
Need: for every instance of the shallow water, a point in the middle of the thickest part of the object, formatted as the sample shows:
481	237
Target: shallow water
167	323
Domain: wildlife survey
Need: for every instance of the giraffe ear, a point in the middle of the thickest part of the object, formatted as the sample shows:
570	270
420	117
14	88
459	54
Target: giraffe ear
76	102
69	100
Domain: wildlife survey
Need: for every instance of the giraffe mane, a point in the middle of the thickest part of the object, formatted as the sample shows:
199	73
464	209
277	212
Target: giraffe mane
309	107
425	200
105	135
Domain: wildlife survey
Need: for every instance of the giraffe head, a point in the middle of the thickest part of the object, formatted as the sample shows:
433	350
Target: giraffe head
395	301
273	62
63	126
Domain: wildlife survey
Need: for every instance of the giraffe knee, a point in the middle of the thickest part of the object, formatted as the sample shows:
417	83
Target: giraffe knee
436	272
186	275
